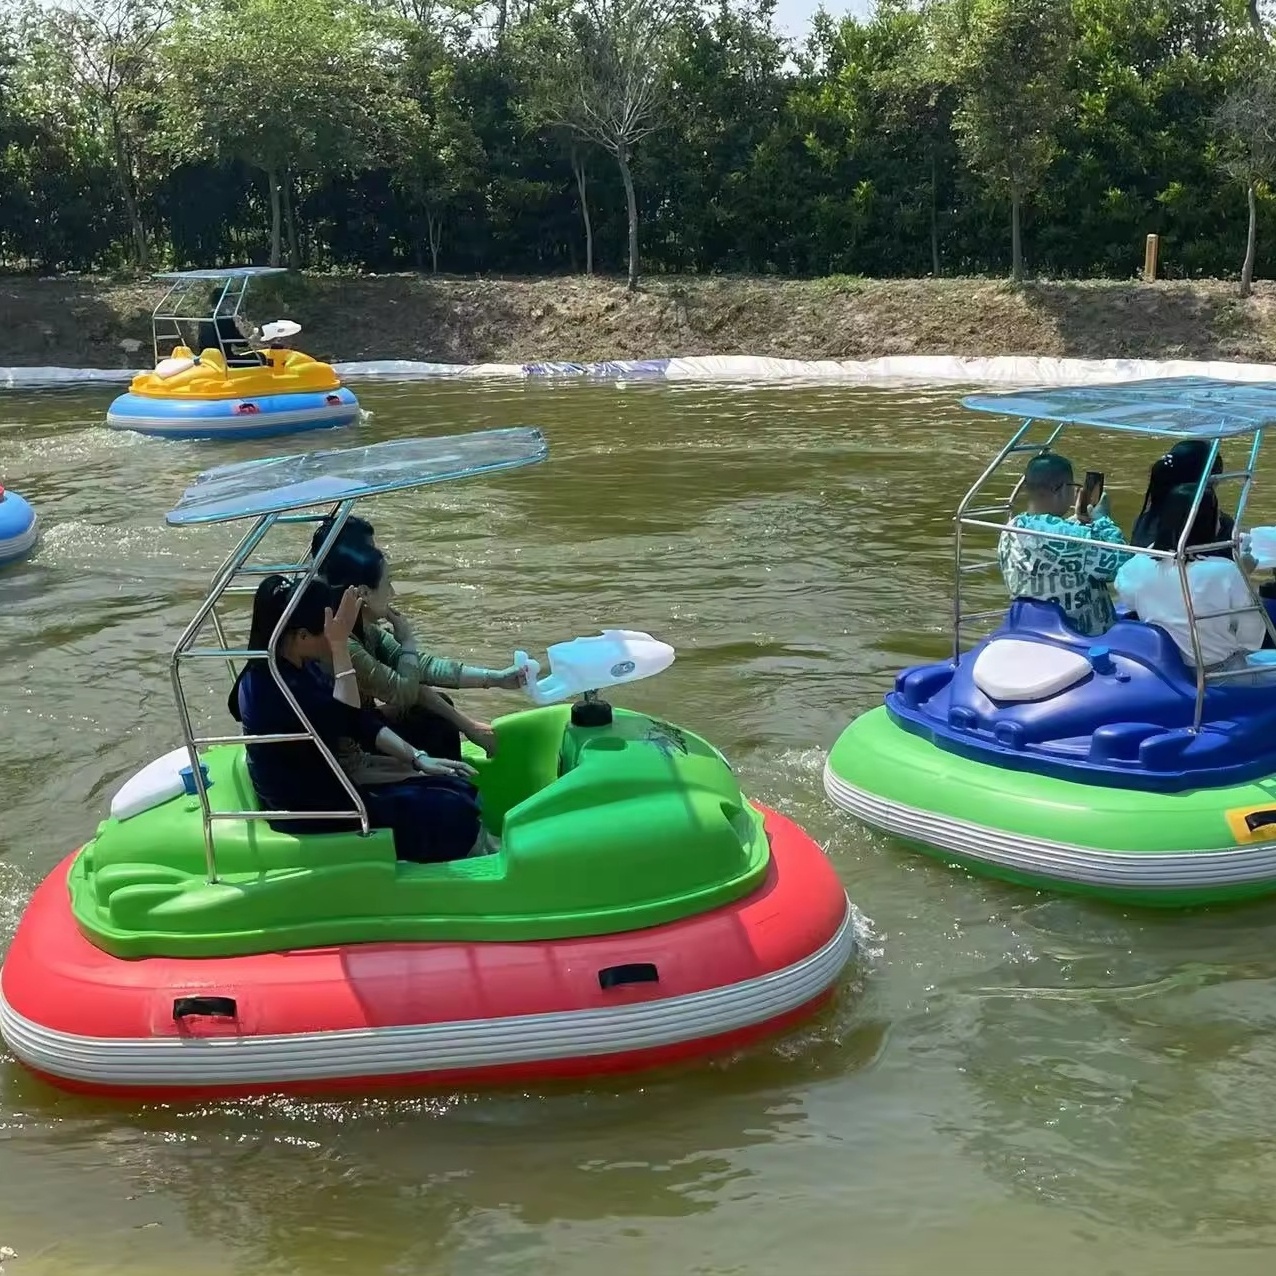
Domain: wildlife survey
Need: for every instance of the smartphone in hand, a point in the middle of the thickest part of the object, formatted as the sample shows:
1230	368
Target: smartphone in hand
1092	492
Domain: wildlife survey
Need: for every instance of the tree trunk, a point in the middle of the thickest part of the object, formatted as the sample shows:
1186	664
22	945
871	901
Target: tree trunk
631	204
434	228
124	174
294	258
578	167
1251	243
934	213
1016	239
276	217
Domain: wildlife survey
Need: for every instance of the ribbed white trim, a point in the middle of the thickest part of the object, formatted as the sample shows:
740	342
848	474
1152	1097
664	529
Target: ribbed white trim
185	427
465	1044
1158	870
20	543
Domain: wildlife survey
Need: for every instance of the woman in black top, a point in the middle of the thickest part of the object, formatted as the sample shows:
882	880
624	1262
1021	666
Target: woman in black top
1183	463
434	816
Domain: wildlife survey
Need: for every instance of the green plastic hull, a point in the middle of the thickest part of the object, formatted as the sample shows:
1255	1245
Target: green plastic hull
1205	846
605	829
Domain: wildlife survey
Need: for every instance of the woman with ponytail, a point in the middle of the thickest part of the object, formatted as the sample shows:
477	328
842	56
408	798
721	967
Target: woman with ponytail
394	674
432	809
1183	464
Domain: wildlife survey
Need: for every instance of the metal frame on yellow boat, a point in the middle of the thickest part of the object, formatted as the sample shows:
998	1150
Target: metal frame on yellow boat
210	380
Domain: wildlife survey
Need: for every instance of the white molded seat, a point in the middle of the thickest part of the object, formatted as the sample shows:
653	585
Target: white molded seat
1016	670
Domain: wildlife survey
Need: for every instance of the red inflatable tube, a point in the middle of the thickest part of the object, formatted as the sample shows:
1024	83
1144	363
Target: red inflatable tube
364	1015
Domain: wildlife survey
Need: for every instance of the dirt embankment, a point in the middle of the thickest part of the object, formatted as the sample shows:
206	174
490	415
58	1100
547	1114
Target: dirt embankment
81	322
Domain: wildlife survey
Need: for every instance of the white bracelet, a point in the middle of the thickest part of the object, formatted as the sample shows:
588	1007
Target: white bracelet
345	673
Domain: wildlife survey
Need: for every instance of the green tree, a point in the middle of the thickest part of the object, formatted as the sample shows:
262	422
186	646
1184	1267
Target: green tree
603	72
443	160
106	53
287	86
1008	61
1246	125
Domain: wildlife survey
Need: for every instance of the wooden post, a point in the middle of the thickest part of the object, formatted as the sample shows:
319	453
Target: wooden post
1149	258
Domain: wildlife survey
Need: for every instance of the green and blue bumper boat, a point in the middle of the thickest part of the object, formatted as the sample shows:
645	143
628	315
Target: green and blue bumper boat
1108	766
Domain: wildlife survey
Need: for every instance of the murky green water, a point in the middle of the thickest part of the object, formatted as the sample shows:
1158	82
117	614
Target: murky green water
1008	1080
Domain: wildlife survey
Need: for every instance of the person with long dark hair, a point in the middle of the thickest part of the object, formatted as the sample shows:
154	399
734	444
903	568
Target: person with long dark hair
433	809
1183	464
1153	588
392	670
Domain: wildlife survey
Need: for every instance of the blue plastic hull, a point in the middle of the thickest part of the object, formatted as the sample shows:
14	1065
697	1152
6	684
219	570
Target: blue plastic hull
19	529
255	417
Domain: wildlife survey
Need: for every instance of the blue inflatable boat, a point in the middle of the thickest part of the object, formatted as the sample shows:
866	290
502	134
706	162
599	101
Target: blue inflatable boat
250	417
19	528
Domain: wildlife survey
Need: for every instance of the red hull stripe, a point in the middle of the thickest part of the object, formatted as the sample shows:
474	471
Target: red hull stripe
394	1014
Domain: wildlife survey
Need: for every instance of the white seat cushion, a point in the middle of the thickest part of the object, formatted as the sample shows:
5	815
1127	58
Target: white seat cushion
1012	669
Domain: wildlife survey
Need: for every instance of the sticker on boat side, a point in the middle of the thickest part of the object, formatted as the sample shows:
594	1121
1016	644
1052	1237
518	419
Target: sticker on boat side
666	737
1252	823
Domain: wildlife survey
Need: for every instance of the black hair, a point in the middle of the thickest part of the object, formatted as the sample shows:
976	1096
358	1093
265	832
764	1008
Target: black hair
1047	472
1173	512
354	563
1183	464
357	563
269	602
355	530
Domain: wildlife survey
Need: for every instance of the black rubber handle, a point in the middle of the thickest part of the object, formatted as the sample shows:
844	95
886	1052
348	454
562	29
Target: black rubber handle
223	1006
634	972
1256	820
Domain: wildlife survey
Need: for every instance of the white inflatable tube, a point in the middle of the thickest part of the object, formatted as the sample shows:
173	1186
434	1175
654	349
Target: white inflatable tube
998	370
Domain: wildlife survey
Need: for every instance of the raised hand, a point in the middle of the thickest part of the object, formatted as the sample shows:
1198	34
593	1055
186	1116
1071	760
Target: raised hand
338	625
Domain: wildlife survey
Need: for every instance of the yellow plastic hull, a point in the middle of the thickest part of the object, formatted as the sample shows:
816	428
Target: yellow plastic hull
289	372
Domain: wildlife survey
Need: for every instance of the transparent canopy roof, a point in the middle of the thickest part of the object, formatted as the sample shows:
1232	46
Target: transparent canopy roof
1173	407
249	489
226	272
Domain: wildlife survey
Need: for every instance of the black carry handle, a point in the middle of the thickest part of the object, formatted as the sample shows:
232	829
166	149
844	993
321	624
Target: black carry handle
634	972
183	1006
1256	820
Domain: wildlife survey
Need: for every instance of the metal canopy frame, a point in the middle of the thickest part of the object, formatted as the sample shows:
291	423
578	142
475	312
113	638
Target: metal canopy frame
277	491
997	516
170	311
236	567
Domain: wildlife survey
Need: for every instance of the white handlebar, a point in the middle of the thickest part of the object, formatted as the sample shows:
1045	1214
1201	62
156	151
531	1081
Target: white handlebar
608	659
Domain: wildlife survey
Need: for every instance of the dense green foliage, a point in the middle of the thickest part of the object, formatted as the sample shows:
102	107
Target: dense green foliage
434	134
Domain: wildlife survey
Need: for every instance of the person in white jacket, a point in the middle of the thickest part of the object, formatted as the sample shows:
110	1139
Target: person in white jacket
1152	588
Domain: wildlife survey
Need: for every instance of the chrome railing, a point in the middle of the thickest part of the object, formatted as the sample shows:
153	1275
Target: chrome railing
234	567
976	518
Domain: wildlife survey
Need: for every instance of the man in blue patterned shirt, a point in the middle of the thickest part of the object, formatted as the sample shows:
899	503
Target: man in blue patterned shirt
1073	574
